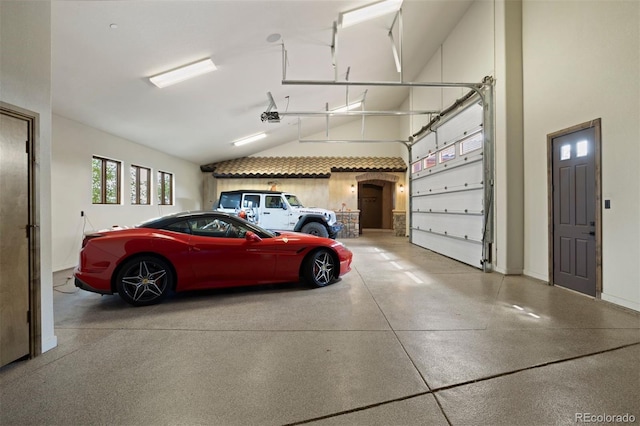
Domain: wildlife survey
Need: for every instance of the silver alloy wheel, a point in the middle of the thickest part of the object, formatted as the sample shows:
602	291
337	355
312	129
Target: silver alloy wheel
147	283
323	268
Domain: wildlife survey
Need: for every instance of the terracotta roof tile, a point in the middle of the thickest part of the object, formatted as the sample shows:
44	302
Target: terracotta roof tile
304	167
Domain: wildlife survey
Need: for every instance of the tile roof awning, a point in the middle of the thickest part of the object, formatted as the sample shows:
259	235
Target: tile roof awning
301	167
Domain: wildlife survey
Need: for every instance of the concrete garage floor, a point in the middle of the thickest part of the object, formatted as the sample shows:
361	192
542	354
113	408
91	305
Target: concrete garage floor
407	338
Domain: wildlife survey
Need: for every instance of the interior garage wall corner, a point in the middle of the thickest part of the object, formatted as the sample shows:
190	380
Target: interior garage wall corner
509	138
25	68
74	144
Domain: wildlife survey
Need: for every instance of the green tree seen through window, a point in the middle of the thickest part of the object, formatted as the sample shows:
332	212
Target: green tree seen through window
140	179
105	188
165	188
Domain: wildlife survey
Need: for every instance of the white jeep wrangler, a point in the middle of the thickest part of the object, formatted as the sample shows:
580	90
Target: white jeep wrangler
279	211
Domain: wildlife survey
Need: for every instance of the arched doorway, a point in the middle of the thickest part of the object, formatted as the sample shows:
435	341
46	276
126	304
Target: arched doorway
376	199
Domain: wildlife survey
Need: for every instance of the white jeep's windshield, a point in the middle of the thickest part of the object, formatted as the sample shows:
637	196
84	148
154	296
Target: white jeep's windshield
293	200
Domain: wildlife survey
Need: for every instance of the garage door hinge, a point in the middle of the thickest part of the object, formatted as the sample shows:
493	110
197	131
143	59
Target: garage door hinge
26	145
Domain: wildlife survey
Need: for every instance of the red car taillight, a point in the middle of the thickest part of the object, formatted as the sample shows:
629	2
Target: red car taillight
88	237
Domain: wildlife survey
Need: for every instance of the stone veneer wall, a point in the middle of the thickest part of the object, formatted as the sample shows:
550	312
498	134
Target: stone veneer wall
400	223
350	220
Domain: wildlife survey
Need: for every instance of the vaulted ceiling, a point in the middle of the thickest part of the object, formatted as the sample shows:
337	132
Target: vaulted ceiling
104	51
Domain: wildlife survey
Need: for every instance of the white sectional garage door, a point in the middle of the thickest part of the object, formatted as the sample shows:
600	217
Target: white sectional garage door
447	188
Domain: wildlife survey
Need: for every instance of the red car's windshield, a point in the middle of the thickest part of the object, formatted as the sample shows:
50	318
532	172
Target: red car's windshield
186	222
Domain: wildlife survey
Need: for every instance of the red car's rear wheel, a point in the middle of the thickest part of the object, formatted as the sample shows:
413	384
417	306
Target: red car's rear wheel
144	280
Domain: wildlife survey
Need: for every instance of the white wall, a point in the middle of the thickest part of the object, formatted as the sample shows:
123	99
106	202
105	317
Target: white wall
74	144
581	62
381	128
25	71
427	98
468	52
485	42
466	56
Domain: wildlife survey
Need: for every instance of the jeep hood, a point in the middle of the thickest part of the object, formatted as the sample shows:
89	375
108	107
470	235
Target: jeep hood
313	210
328	214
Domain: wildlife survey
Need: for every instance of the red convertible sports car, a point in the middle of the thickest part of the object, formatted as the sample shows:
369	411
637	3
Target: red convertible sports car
198	250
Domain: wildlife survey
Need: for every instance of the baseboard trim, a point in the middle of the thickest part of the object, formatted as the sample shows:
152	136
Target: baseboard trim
49	343
622	302
536	275
64	268
515	271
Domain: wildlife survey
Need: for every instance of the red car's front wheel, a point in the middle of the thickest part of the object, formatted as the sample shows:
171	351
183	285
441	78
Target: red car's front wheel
144	280
319	268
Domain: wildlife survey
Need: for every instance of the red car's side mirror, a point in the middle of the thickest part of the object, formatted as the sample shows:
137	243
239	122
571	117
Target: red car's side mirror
252	237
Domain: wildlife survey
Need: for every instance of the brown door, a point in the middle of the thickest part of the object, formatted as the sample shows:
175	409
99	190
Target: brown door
574	210
370	205
14	242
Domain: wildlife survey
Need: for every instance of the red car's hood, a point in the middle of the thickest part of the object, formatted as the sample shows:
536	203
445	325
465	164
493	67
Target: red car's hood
299	236
302	238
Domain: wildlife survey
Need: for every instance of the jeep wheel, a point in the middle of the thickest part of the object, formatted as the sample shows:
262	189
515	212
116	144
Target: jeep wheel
315	228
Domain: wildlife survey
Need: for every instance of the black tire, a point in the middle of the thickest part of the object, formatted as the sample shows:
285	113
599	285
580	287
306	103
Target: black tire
144	280
319	268
315	228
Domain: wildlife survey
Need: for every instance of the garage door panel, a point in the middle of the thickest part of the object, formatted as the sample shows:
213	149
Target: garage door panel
457	161
447	188
465	121
466	227
422	150
458	178
464	251
469	202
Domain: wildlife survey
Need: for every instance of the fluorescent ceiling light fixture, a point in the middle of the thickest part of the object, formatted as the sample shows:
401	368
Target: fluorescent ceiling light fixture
250	139
368	12
348	107
183	73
